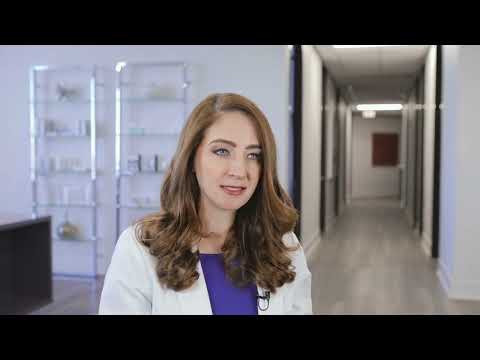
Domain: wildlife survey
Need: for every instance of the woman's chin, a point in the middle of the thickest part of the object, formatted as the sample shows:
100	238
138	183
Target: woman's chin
231	205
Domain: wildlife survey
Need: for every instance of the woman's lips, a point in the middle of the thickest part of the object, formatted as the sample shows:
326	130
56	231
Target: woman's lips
233	190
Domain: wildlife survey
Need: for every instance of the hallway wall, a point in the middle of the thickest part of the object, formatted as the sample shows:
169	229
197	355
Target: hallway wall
429	144
448	186
342	148
369	181
411	164
331	150
460	195
258	72
311	147
348	155
404	153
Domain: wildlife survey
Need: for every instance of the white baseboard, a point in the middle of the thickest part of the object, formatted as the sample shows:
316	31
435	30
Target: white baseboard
427	244
444	277
311	245
465	290
458	290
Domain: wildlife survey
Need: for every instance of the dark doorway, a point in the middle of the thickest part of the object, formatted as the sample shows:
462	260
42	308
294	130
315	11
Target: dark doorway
437	154
419	129
296	130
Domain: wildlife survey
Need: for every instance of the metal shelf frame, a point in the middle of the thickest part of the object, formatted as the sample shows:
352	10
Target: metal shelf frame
91	73
120	87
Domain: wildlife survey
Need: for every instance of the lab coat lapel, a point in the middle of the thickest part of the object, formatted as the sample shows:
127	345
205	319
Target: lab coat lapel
195	300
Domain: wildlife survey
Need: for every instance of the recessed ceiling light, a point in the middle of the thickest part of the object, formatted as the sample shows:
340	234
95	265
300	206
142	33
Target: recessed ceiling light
379	107
361	46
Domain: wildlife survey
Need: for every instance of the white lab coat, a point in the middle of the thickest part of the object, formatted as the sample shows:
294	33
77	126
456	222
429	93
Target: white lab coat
131	286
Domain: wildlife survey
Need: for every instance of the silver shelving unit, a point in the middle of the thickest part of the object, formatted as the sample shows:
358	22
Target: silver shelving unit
127	100
41	107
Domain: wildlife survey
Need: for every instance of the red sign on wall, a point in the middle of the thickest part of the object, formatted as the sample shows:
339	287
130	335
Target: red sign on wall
385	149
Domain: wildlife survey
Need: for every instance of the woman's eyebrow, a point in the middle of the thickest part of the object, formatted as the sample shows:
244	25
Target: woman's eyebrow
253	146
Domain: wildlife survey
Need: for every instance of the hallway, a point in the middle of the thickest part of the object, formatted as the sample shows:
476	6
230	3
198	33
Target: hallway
373	264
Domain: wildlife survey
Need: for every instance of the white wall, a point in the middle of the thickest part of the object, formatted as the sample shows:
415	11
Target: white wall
411	165
348	154
342	108
429	146
330	138
258	72
403	163
369	181
460	233
448	186
467	250
311	135
331	145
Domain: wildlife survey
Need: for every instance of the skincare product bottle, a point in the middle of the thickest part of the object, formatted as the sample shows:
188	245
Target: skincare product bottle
133	164
155	163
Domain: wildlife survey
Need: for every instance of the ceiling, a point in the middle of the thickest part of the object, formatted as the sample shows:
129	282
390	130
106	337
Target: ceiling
375	75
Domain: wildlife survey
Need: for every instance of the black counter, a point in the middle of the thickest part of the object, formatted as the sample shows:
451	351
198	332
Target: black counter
25	263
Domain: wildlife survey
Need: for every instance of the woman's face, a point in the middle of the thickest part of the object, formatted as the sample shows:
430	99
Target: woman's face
227	162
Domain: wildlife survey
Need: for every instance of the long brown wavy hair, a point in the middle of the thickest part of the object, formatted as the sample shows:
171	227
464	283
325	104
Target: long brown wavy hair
253	250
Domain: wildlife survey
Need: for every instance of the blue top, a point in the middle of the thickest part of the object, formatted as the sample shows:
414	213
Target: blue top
225	297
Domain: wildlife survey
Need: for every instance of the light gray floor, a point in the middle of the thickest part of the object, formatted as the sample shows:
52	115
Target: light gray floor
371	263
72	296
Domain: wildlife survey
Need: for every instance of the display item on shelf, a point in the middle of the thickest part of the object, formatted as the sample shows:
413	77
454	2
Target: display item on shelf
66	230
134	163
150	163
66	93
83	128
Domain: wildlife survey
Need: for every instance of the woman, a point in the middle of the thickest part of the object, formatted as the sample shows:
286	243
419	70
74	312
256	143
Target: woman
223	241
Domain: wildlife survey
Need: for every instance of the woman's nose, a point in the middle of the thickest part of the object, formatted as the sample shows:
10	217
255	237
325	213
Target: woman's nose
238	168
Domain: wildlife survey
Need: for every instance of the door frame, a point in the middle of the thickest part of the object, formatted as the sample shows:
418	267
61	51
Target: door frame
437	154
337	164
296	118
419	169
323	157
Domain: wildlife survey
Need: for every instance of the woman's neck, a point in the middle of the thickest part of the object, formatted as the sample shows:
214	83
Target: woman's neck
216	224
211	245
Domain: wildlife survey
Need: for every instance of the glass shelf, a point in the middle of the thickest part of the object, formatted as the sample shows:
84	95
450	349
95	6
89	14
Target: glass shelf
134	85
66	205
61	102
65	68
126	173
65	172
68	91
89	240
147	207
152	100
60	135
46	87
149	134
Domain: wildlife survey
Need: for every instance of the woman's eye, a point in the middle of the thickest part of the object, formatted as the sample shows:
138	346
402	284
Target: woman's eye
221	152
225	152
